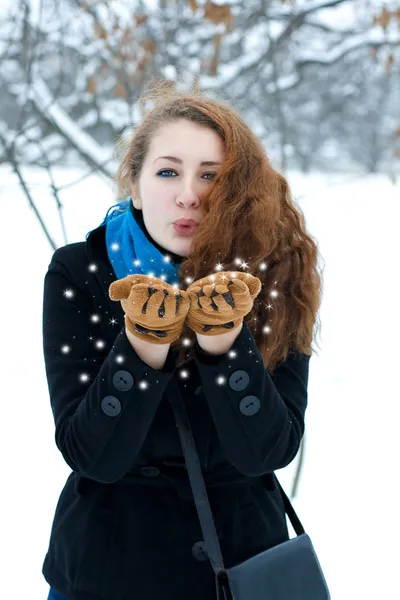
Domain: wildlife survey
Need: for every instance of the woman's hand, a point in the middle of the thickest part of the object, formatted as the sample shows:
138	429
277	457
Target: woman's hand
219	302
154	310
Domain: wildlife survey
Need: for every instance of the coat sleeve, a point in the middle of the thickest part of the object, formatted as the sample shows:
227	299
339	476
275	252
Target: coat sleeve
99	428
259	417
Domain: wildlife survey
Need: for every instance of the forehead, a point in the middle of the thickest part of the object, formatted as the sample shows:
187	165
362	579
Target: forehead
184	139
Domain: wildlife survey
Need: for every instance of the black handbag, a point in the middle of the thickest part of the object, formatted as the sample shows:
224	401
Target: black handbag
289	571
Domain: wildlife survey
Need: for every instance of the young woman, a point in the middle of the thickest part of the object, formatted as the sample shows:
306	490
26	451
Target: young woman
205	274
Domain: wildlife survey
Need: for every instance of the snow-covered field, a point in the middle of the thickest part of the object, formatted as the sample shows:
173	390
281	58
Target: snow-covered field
348	492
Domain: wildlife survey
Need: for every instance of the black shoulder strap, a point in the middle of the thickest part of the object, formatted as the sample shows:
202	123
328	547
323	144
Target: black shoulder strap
198	486
196	478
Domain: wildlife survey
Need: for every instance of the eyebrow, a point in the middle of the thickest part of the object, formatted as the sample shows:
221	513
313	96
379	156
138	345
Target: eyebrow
207	163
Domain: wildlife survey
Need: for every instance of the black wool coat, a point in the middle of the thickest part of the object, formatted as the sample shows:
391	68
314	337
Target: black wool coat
125	526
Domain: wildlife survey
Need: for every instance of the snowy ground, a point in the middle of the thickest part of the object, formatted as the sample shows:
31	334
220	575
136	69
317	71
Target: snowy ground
349	487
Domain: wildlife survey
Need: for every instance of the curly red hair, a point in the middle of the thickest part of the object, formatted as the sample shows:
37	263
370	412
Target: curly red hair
249	215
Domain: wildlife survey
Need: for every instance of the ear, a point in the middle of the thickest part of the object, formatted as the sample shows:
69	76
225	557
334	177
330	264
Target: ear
120	289
137	203
253	283
255	286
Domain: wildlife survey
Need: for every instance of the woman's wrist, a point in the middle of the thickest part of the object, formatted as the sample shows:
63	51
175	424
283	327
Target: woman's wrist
219	344
155	355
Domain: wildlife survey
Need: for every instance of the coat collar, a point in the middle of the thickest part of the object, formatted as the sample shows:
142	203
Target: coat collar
104	273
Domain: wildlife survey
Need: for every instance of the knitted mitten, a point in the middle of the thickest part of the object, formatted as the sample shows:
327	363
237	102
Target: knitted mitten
154	310
219	302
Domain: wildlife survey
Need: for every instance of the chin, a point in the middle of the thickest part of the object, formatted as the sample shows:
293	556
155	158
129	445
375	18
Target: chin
182	249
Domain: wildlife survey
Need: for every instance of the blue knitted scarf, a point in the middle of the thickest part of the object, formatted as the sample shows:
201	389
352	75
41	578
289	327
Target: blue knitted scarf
129	249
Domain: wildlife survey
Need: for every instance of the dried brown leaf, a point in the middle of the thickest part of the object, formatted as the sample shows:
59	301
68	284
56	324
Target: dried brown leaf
218	13
383	18
389	63
100	32
193	5
120	91
140	19
91	86
149	46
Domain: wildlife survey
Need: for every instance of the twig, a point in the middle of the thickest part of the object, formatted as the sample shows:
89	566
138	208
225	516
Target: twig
15	166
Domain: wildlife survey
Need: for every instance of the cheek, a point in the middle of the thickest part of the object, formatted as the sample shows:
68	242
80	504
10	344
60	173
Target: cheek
158	207
157	194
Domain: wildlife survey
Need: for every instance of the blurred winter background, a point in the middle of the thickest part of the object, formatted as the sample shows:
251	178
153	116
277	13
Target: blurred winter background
319	81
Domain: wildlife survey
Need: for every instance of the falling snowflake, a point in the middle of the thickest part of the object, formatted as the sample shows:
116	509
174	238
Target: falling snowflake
92	267
136	262
143	385
115	246
113	321
262	266
232	353
69	293
167	258
65	349
219	267
221	380
120	358
83	377
95	318
186	342
189	280
184	374
267	329
100	344
274	293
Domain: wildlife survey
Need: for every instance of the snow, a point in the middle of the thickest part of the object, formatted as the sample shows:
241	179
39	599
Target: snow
348	489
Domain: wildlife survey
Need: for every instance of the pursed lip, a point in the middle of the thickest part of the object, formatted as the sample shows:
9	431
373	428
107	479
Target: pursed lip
186	222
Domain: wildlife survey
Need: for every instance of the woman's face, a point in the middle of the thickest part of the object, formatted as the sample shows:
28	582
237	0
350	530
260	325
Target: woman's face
182	161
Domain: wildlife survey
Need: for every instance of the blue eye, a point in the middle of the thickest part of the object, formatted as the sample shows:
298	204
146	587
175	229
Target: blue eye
160	173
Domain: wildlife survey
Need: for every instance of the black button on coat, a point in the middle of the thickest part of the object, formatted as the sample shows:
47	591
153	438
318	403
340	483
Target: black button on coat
126	526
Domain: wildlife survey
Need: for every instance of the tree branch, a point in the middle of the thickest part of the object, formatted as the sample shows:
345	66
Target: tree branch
86	146
13	162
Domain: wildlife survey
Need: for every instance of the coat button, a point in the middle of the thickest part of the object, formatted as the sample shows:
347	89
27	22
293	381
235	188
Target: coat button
123	381
239	380
150	471
199	551
111	406
250	405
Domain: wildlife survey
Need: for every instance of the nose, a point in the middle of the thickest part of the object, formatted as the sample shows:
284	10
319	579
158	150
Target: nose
188	196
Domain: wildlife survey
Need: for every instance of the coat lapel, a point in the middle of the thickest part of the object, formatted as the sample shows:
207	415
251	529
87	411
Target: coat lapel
103	273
